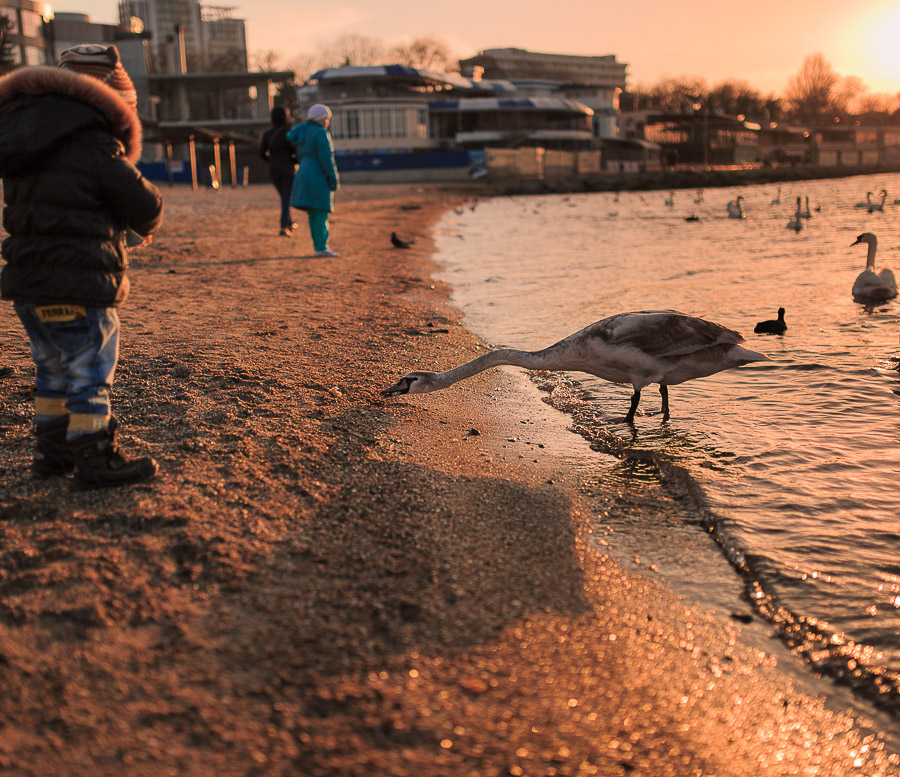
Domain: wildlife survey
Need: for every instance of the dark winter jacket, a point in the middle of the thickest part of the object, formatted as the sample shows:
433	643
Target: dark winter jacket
274	146
68	148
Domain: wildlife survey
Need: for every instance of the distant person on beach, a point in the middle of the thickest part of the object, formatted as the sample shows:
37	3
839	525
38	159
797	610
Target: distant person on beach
275	147
70	137
317	179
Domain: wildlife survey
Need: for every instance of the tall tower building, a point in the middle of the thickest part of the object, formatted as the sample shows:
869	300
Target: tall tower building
187	37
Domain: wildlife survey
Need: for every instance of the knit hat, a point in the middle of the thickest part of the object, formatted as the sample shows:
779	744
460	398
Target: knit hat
102	63
318	113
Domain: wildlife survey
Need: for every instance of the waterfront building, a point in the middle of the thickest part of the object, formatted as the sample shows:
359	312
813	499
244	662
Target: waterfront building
186	36
696	138
394	116
26	38
595	81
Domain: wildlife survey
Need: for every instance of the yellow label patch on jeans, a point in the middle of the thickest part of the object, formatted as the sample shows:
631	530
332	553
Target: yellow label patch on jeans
60	313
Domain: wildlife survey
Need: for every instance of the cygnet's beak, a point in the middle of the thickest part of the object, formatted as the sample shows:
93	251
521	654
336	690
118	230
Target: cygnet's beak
400	387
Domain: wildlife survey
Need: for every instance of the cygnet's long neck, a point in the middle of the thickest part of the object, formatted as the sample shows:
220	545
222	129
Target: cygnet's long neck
510	356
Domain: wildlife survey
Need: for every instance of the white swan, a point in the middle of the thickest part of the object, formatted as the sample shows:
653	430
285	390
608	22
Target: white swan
865	204
804	214
796	223
777	200
651	346
878	206
699	196
869	286
736	209
670	200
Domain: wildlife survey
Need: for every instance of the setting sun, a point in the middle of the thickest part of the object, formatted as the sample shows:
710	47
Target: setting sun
879	45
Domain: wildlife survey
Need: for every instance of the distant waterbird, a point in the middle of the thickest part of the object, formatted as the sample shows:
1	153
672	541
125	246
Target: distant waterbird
871	286
736	208
639	348
776	326
865	204
878	207
796	223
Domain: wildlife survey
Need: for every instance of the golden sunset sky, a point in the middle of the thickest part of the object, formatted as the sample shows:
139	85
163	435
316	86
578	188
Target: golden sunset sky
762	42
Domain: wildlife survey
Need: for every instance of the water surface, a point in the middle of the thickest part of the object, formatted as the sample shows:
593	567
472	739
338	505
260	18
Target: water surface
793	466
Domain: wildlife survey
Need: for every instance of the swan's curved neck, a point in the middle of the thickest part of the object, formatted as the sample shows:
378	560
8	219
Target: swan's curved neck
510	356
870	254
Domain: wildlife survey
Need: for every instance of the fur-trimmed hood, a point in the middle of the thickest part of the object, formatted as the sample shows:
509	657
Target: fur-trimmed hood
32	125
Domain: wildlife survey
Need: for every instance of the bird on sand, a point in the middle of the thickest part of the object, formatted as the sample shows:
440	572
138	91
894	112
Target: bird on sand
398	243
640	348
869	285
776	326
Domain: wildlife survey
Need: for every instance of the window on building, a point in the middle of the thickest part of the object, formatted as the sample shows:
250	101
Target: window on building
34	55
12	17
421	123
32	24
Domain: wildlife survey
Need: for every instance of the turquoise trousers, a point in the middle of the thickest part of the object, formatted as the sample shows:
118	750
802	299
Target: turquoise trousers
318	228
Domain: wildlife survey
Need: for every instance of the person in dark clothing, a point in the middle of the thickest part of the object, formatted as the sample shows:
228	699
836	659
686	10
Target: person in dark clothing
70	137
282	164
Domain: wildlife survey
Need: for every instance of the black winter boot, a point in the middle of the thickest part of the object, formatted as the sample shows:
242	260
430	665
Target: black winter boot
52	454
99	464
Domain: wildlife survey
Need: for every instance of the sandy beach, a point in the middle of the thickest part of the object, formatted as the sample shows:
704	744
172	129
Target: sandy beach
324	582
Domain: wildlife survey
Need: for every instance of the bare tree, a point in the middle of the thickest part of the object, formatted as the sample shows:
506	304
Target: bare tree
810	92
673	94
737	98
304	65
265	60
352	50
878	103
425	52
846	95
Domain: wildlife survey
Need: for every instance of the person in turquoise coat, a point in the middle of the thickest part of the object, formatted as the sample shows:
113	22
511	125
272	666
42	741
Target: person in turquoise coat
317	179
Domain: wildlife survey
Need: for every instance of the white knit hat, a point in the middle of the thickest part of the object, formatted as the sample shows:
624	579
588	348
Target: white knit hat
318	113
102	63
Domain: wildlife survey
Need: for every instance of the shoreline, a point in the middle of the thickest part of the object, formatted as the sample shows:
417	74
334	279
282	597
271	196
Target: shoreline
325	581
678	178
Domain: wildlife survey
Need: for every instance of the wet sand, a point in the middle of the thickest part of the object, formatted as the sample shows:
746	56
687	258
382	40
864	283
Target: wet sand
326	582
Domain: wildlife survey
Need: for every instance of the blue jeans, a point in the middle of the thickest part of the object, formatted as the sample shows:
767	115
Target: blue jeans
75	351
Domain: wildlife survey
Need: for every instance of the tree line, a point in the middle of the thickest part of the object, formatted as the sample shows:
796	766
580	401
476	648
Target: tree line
816	93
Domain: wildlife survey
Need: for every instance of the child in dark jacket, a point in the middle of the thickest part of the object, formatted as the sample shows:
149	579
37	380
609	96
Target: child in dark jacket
69	140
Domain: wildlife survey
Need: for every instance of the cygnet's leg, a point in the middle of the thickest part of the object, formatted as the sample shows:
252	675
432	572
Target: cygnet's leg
664	393
635	398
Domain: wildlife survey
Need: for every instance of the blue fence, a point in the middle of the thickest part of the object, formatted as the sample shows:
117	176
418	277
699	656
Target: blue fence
410	160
